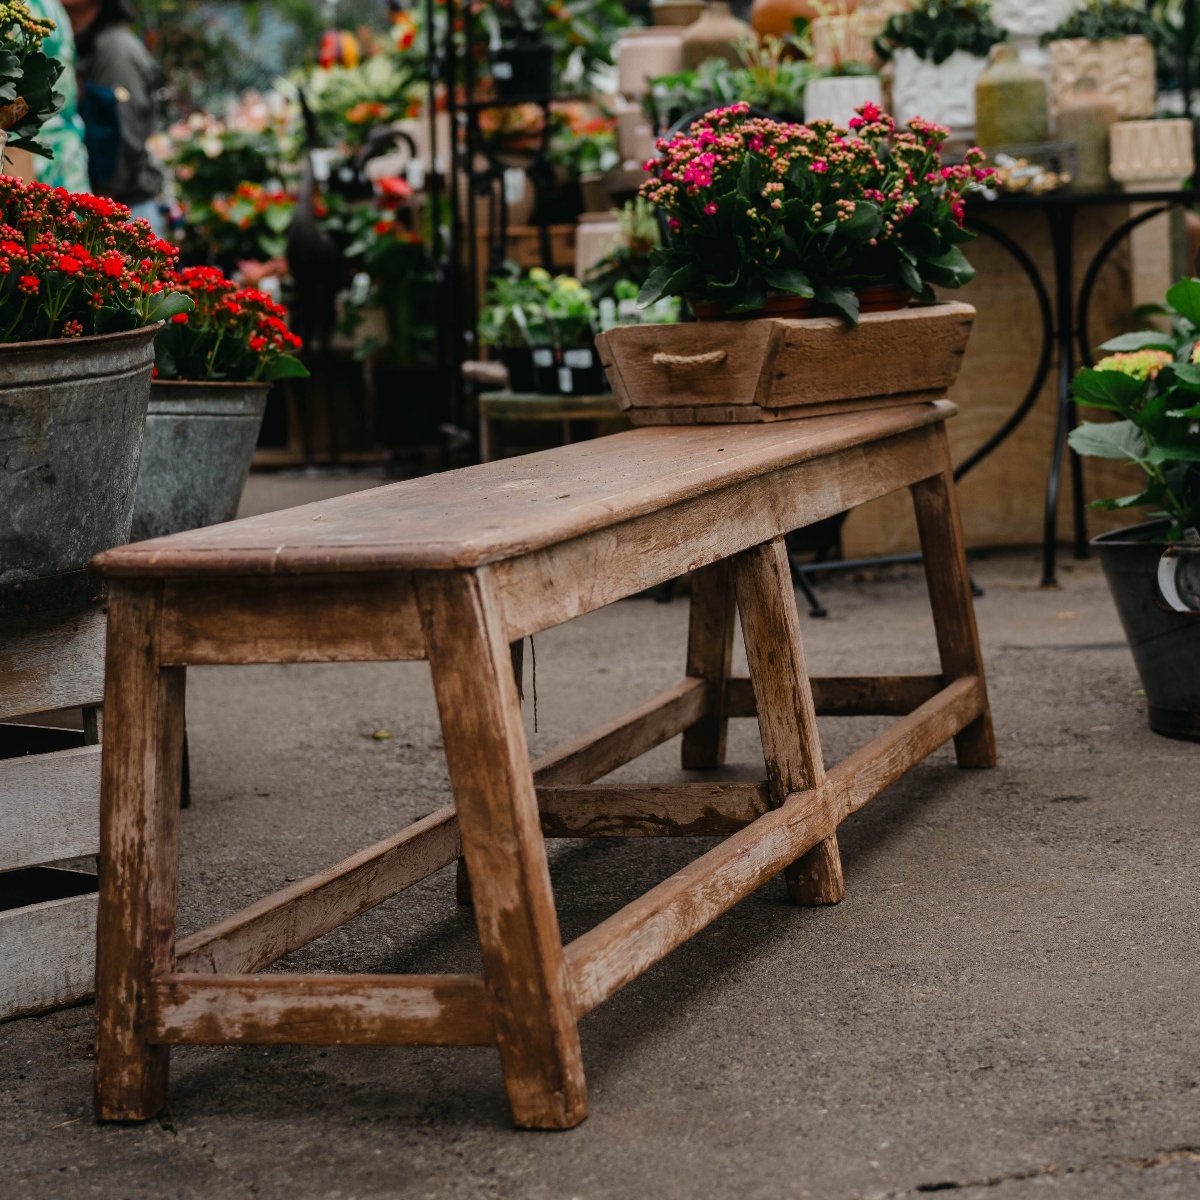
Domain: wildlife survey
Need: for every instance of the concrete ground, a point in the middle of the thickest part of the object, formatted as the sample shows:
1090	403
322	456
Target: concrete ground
1005	1005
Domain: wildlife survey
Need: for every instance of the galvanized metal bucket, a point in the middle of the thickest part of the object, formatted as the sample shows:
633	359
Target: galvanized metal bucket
200	438
72	415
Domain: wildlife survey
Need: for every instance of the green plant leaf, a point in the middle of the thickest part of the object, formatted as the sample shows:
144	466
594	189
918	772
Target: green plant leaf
1118	439
790	280
950	269
668	278
1146	339
166	305
841	299
1184	298
1112	390
286	366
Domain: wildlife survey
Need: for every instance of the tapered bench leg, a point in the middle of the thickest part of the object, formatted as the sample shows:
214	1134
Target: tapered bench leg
523	961
936	503
139	853
709	657
462	877
787	718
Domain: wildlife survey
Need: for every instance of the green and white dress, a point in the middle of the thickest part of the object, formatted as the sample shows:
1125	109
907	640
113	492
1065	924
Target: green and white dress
63	133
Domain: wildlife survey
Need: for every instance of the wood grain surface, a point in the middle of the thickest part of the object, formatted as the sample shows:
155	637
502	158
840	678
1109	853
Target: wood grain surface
506	509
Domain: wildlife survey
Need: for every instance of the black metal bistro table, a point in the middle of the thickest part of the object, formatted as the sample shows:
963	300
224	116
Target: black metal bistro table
1065	327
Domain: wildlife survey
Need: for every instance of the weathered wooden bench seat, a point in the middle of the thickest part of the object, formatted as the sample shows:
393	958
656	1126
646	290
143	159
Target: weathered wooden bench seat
458	569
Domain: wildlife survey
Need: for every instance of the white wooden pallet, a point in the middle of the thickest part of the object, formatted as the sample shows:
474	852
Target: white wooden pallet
49	812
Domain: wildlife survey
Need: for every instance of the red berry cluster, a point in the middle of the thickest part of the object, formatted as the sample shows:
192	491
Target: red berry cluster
73	265
232	333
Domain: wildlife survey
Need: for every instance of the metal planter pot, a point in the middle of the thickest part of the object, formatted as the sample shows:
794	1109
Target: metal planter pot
1165	643
72	415
200	439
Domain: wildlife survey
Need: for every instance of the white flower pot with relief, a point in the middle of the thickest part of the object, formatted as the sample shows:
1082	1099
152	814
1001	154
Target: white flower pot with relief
835	97
940	92
1146	154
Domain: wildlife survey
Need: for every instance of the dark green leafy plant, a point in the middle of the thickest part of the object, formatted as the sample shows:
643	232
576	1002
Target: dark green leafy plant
27	77
1107	20
1151	381
934	29
514	309
757	207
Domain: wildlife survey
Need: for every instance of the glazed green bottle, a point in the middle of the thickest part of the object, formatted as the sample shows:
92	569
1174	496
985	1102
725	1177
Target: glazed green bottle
1084	117
1012	104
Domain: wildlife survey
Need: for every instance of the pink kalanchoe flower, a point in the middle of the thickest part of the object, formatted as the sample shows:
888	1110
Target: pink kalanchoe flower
710	209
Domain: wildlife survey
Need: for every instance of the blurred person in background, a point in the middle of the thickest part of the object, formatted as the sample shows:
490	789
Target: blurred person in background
63	134
117	81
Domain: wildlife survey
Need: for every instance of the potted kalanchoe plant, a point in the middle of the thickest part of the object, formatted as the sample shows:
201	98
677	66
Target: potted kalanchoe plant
938	50
27	79
1151	383
215	365
82	290
789	221
771	217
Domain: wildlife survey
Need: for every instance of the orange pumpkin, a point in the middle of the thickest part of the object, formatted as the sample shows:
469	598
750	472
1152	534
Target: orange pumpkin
777	18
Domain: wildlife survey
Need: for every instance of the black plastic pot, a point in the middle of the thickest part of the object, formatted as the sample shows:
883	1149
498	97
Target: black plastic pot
519	361
546	378
584	376
1165	643
523	69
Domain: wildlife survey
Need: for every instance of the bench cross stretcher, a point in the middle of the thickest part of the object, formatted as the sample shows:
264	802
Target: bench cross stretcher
458	569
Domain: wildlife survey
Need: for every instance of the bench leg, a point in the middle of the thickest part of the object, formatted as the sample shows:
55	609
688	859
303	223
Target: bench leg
462	877
936	503
139	854
709	657
523	960
787	718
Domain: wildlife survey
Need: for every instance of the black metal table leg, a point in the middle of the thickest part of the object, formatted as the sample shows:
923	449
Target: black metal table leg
1062	239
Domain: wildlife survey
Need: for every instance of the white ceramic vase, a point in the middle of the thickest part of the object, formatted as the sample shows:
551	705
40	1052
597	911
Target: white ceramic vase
1031	18
1145	153
943	93
835	97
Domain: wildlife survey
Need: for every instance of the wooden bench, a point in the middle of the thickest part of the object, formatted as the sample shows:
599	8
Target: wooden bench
456	569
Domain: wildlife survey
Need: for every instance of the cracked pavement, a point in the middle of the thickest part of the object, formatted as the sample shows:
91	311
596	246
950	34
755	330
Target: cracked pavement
1004	1007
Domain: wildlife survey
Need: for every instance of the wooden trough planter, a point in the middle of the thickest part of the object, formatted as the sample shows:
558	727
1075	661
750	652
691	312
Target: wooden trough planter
777	369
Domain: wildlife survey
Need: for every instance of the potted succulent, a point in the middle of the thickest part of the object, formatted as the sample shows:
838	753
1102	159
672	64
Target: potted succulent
1151	383
27	79
82	290
1111	43
791	221
214	366
938	50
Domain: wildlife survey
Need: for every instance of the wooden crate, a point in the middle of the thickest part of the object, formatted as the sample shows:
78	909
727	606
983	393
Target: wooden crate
774	368
49	810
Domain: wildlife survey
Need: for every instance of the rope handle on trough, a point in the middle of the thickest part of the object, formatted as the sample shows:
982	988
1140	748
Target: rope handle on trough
690	360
